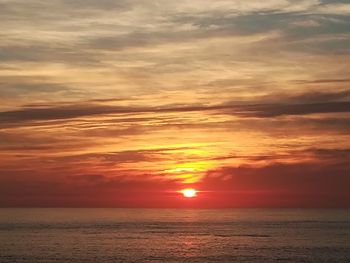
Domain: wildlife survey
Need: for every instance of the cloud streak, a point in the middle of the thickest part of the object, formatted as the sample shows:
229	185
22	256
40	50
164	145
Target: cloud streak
256	110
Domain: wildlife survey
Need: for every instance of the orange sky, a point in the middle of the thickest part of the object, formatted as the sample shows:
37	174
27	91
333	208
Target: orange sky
123	103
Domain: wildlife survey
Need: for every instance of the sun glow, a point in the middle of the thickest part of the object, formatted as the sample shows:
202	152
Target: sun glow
189	192
188	172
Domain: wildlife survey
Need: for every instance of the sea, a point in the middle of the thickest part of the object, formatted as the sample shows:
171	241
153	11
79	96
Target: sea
174	235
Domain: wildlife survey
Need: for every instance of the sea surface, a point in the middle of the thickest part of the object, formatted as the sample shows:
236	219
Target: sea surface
174	235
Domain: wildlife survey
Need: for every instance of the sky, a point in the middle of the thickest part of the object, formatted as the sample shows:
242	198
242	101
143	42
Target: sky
122	103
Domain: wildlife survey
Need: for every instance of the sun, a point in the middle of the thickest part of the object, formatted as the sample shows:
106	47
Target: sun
189	192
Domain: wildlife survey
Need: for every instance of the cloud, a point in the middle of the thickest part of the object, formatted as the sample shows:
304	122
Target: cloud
253	110
275	110
128	156
320	183
334	9
89	190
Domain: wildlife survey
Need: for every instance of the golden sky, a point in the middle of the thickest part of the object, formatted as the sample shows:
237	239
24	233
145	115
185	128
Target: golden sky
122	103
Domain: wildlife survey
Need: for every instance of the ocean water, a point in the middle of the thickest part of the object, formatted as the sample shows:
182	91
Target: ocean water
174	235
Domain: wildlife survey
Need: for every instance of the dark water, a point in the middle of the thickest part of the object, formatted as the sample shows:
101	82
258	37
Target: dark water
152	235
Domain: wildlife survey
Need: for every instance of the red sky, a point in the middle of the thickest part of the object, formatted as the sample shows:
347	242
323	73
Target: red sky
123	103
